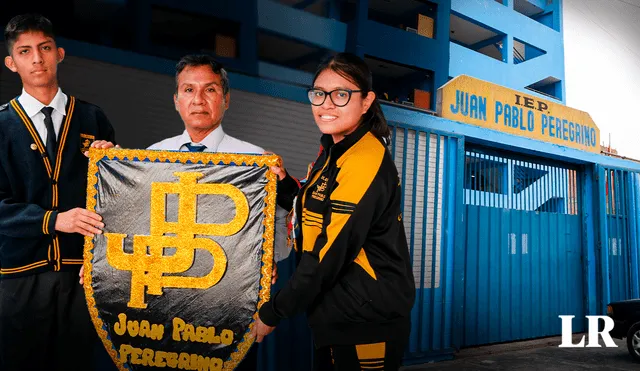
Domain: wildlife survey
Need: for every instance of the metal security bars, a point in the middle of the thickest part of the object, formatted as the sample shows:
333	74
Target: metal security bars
419	157
523	245
428	164
621	229
502	182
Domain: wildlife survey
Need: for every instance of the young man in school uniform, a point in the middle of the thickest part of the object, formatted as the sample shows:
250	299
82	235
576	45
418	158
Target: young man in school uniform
44	322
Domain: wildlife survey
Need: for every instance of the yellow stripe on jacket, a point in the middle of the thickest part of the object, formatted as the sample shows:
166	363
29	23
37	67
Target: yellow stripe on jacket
358	167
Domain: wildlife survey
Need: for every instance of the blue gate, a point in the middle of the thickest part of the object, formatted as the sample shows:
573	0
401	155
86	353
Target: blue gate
428	164
619	234
523	248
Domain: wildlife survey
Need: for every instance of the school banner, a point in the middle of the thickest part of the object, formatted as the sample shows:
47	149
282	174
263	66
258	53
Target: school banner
477	102
185	258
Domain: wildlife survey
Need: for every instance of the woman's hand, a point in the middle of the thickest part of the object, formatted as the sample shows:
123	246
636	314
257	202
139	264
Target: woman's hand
260	330
278	170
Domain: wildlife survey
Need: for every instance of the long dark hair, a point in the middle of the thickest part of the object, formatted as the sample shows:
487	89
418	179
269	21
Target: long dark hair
354	69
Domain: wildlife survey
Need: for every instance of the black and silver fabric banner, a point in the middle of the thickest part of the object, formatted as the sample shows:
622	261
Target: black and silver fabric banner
186	255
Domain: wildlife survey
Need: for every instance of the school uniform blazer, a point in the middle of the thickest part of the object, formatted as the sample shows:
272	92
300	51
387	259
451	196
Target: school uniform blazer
33	192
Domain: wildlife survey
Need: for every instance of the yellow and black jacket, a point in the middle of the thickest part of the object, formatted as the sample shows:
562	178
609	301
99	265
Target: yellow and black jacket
354	276
33	192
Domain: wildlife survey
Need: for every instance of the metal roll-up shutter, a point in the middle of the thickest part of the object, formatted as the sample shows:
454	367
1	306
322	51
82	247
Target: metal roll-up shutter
277	125
140	106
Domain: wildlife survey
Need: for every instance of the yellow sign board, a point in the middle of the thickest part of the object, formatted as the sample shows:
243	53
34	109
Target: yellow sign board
495	107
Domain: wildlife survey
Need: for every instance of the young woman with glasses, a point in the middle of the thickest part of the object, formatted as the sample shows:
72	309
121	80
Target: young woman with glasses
354	277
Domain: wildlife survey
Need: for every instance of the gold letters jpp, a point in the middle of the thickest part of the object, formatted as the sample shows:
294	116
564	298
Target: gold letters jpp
148	262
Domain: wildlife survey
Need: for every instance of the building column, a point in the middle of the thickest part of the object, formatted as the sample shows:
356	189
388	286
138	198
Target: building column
333	9
441	74
357	28
507	49
141	12
247	38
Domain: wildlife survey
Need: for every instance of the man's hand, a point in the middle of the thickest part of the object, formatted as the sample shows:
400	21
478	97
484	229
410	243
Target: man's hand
260	330
102	144
79	220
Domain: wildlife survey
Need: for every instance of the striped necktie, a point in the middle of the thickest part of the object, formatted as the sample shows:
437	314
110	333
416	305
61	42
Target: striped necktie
195	148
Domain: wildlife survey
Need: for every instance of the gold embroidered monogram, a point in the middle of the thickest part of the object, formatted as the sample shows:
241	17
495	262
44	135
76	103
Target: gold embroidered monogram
319	193
148	262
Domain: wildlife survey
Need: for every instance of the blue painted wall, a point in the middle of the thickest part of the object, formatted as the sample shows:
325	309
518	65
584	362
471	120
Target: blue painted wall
298	24
363	32
399	46
367	37
357	28
504	19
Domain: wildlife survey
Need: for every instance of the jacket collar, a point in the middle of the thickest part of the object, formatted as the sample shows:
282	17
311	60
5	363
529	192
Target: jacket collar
32	106
337	149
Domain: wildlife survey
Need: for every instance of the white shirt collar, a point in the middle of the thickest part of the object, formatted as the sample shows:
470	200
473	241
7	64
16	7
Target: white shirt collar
32	106
211	141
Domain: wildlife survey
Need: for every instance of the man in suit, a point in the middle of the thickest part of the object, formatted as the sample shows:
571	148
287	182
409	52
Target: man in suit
44	322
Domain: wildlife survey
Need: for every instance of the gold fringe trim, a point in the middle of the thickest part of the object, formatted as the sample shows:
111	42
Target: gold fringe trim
92	192
97	155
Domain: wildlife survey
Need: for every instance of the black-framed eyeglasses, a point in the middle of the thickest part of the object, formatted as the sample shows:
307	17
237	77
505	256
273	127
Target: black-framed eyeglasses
339	97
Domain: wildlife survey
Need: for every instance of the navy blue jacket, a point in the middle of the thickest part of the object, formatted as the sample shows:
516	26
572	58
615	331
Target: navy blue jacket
32	192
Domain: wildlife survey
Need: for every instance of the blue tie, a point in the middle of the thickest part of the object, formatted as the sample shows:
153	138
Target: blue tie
193	148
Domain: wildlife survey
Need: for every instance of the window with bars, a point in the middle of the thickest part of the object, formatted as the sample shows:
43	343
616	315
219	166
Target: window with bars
500	181
615	191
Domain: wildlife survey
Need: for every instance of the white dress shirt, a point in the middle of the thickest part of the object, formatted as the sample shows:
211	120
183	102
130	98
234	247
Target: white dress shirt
218	141
32	107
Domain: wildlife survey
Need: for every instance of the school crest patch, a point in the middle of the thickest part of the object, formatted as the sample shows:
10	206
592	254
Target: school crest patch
85	142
